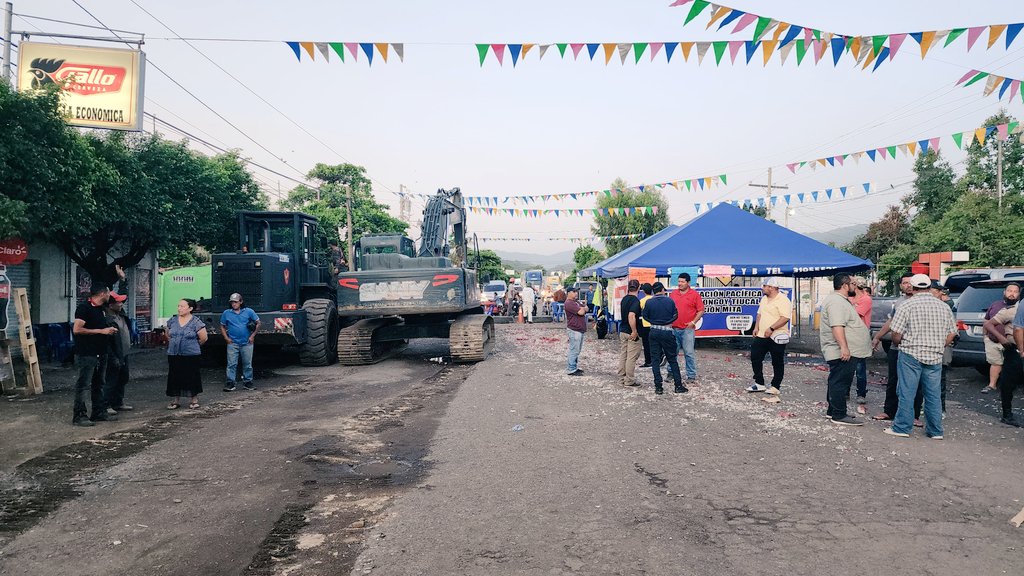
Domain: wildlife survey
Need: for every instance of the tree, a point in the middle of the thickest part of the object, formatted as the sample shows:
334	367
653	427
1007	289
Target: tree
761	211
328	203
583	257
619	224
882	236
491	267
980	174
934	188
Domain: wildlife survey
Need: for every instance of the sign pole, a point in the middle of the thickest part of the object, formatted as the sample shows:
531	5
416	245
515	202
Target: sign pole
8	14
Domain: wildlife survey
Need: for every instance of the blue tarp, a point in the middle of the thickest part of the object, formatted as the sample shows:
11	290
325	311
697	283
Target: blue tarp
618	265
732	237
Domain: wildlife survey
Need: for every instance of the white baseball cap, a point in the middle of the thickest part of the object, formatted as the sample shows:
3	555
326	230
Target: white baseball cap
920	281
772	282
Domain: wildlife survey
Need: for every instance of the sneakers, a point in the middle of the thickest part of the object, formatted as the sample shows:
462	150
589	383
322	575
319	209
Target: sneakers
230	387
892	432
772	390
659	391
578	372
83	422
111	412
681	390
248	386
755	387
936	437
848	421
1009	421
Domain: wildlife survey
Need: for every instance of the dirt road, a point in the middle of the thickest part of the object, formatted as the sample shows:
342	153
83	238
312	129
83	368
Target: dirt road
508	467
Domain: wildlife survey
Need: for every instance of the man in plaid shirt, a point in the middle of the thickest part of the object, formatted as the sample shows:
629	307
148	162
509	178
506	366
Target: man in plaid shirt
922	327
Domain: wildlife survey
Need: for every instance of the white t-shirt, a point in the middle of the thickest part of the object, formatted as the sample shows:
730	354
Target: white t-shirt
528	294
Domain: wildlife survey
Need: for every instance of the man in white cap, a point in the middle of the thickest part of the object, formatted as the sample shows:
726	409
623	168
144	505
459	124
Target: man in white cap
238	326
771	334
922	328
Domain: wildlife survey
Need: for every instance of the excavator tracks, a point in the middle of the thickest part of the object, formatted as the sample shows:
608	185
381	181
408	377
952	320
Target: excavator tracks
471	337
356	346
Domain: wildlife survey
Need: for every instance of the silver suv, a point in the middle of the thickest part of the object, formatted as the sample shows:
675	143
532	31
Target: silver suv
969	349
958	282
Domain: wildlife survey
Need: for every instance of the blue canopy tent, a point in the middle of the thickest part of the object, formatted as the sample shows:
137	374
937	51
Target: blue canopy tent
749	244
618	264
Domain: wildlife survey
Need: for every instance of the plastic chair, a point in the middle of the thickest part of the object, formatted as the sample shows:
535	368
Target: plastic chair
59	340
133	327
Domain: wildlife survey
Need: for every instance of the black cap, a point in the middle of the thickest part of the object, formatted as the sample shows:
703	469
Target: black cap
658	287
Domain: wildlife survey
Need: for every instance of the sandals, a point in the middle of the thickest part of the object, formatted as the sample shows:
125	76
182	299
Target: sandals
194	405
173	406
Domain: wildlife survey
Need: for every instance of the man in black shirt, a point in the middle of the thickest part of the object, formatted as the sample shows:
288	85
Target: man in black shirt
629	335
91	332
661	312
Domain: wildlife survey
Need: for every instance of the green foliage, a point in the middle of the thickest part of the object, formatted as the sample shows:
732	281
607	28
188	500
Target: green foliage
981	162
328	203
617	225
108	200
761	211
491	267
893	229
934	187
583	257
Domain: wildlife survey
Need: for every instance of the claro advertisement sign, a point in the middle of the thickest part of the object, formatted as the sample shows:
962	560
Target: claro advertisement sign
102	87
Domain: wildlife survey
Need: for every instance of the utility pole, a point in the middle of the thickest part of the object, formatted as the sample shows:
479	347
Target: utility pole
768	195
999	172
348	218
8	14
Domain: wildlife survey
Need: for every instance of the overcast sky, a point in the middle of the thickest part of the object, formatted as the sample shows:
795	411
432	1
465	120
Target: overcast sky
439	119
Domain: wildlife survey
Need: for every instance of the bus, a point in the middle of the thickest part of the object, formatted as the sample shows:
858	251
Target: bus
534	278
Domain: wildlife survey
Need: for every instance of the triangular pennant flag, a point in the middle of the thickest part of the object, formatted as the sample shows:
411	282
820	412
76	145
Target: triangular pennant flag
576	50
702	49
722	178
977	77
526	49
744	21
561	49
353	50
719	47
828	193
760	202
399	49
800	196
871	56
965	77
609	50
696	207
308	47
624	49
814	196
729	19
924	146
671	47
882	152
994	32
867	187
958	139
892	151
877	42
1005	85
1011	34
786	197
837	50
973	34
1014	87
762	25
339	49
717	13
895	41
751	48
689	185
514	50
734	49
499	53
980	134
953	35
368	50
710	205
871	154
881	58
990	84
701	182
382	49
769	49
842	191
638	50
784	51
853	46
819	50
543	50
655	48
695	10
482	49
911	148
934	143
831	161
324	50
1004	132
839	159
791	34
592	49
295	48
1014	127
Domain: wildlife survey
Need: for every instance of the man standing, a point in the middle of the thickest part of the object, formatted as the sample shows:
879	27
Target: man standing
1001	328
576	324
922	327
529	298
893	353
771	334
689	307
660	311
117	357
238	326
844	339
629	334
91	332
1012	383
645	327
993	351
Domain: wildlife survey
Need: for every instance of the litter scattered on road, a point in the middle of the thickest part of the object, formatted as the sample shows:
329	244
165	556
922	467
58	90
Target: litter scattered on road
1018	519
518	428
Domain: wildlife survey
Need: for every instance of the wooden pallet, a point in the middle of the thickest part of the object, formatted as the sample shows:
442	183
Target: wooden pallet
29	353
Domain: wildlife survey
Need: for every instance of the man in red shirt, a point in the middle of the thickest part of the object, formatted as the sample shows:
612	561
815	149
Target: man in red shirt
690	308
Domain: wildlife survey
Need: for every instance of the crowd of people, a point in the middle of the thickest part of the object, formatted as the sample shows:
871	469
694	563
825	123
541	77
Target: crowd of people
102	340
921	327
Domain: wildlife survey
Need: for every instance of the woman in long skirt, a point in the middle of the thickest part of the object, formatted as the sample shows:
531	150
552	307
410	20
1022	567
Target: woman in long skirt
186	334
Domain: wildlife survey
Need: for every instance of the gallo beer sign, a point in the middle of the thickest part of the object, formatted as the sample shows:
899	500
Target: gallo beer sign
101	87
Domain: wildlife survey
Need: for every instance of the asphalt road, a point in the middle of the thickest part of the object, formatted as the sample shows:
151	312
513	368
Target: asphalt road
413	466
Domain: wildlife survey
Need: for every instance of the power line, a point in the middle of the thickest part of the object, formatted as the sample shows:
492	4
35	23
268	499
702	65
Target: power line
29	16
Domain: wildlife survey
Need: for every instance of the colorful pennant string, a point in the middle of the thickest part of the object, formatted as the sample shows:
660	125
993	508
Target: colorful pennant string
816	196
339	49
993	82
690	185
538	212
1002	132
488	238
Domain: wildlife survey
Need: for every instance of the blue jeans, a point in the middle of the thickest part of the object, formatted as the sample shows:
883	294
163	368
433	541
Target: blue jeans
235	351
684	341
575	346
912	375
557	309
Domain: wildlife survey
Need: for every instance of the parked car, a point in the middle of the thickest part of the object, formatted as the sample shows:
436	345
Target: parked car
958	282
969	349
495	290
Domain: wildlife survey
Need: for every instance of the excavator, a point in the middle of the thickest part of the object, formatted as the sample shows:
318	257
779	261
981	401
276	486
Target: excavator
397	292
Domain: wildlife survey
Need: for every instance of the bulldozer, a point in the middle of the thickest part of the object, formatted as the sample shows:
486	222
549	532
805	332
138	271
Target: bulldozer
397	291
284	278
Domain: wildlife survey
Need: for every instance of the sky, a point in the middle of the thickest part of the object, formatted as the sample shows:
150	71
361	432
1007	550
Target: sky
439	119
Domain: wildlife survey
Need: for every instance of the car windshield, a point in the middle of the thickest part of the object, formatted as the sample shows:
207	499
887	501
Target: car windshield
494	287
976	299
960	282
